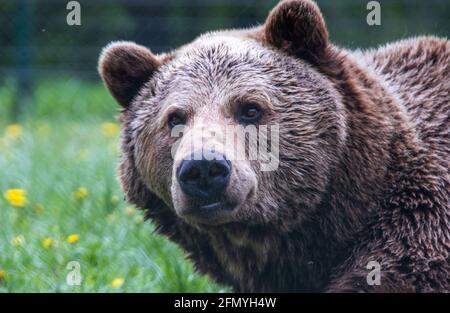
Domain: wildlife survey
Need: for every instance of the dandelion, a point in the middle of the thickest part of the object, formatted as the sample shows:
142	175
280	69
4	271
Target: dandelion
2	274
13	131
73	238
48	242
129	211
80	193
110	129
16	197
117	282
18	241
38	208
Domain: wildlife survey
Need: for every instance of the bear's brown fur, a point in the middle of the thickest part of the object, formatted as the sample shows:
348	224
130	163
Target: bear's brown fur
364	154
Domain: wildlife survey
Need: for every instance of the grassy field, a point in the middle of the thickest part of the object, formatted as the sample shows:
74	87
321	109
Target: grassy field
61	202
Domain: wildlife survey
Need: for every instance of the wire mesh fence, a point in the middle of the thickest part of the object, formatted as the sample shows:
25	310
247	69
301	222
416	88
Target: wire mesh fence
37	44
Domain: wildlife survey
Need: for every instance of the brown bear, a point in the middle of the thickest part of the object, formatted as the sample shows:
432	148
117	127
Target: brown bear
360	198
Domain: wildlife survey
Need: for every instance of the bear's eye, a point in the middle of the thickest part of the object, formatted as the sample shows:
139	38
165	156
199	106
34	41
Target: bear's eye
176	119
249	113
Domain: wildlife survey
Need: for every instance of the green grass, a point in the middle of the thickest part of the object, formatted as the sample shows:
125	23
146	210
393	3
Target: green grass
62	147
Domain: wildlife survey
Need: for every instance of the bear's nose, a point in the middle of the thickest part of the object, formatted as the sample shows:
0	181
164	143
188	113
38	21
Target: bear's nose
206	178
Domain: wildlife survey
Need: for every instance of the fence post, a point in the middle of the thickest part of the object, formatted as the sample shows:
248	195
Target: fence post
24	33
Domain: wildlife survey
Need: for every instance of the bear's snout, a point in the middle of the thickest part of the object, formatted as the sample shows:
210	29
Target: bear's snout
210	182
205	178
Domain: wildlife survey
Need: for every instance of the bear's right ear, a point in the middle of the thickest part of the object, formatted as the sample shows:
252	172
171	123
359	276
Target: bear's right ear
125	67
298	28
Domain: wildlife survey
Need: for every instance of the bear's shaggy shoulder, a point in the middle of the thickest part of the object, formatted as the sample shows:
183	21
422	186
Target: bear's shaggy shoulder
410	232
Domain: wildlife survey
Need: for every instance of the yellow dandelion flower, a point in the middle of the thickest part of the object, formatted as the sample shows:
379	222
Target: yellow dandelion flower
48	242
81	193
110	129
129	211
73	238
111	218
16	197
117	282
13	131
2	274
18	241
38	208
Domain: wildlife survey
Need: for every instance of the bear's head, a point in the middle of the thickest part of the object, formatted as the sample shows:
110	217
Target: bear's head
237	127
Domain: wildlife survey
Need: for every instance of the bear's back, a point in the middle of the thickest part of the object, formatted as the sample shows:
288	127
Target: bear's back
417	71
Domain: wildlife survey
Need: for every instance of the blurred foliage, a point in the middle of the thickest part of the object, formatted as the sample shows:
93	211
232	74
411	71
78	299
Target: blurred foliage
166	24
347	25
60	100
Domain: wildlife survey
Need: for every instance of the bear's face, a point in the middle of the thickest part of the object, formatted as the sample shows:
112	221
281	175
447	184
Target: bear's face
231	128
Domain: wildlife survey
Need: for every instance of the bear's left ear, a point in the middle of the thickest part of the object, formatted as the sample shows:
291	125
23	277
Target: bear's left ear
297	27
125	67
